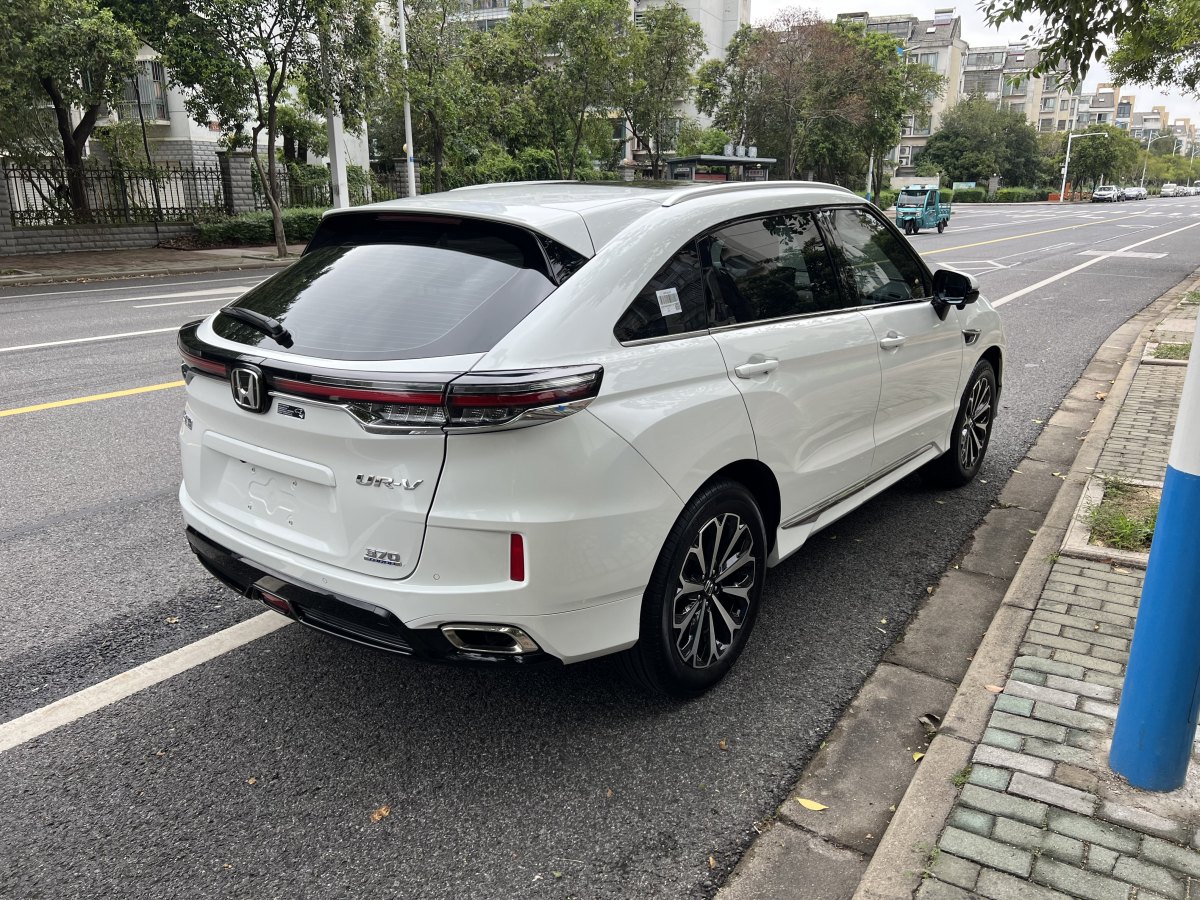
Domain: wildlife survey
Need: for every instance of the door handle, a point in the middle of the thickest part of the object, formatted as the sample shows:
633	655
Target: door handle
892	340
758	367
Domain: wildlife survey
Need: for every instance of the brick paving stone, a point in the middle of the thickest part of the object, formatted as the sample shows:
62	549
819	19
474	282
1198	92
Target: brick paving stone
1147	419
1108	679
1036	650
1093	831
1045	627
954	870
1038	839
1149	876
1015	705
1075	686
997	756
1118	656
1121	631
1050	667
1120	609
1099	708
989	777
1141	820
1058	752
1027	811
1172	855
1067	619
971	820
1088	662
1046	694
1101	859
1053	604
998	886
997	737
1095	637
932	889
1084	740
1071	718
1050	731
1077	777
986	851
1057	643
1078	882
1107	617
1027	676
1026	785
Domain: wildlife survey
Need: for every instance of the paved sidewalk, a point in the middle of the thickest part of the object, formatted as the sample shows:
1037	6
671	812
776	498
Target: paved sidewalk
1037	813
43	268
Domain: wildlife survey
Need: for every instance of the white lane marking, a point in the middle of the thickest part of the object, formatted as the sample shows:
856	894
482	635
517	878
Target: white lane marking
69	709
1090	262
185	302
1122	254
211	292
88	340
109	290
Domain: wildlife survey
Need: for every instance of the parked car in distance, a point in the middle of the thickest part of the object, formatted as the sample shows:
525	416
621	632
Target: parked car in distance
1134	192
1106	193
1169	190
545	422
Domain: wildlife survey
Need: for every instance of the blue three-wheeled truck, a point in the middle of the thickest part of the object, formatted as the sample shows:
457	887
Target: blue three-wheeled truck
920	207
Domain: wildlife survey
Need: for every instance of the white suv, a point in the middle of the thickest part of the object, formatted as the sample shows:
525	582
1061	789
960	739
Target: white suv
552	421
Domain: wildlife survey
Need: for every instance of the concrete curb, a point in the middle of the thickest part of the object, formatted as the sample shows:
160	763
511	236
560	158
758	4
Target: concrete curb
895	869
184	269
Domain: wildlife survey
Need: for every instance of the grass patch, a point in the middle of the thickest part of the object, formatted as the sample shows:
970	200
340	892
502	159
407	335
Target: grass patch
1124	519
1191	298
1173	351
962	776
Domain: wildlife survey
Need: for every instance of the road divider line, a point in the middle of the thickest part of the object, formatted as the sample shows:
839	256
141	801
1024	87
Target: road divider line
128	287
55	404
184	302
1017	237
211	292
88	340
1091	262
69	709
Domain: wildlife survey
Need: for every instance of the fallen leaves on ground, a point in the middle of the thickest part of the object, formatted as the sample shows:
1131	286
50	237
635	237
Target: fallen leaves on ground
172	620
723	744
811	804
712	863
1120	570
608	793
382	813
251	781
917	757
1100	395
994	688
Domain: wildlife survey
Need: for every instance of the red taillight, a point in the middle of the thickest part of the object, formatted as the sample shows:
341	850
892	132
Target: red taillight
491	399
404	395
516	557
209	366
277	603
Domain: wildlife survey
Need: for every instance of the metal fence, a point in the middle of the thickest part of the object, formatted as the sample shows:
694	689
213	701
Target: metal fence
295	193
53	194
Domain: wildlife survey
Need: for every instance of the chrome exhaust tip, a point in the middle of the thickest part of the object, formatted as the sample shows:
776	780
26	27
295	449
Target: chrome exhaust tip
506	640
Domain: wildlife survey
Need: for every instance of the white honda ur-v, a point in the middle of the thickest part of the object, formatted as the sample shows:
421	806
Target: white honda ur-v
551	421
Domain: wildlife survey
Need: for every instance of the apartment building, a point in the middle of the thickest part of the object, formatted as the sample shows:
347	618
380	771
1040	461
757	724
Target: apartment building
936	42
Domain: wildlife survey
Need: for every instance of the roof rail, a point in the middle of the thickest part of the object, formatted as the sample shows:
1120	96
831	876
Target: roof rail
492	184
739	186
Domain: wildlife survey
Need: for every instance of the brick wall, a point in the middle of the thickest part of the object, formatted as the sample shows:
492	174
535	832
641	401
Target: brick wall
236	181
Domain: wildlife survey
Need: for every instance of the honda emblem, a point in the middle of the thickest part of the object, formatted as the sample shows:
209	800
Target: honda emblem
247	388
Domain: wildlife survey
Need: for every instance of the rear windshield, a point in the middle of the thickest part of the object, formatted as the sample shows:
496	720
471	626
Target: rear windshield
403	287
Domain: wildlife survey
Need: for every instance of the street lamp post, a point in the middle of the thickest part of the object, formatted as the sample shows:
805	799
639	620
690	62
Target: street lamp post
408	140
1192	163
1147	162
1067	161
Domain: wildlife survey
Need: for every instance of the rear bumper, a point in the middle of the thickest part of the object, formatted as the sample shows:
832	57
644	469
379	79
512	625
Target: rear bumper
343	604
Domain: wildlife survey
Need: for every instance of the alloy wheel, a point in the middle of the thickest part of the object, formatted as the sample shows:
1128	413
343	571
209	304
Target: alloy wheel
977	419
713	592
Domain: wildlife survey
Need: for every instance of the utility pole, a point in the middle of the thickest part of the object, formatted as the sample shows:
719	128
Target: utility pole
1067	161
337	158
1147	162
1156	722
870	175
408	140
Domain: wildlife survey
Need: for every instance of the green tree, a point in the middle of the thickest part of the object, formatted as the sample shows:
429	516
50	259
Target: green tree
694	140
656	74
1116	158
77	55
977	140
577	48
726	88
239	60
1164	50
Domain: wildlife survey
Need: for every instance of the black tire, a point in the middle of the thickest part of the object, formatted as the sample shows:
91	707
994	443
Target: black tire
908	226
682	659
941	226
972	431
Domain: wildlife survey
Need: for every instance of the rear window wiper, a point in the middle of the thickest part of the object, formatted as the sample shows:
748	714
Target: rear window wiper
272	328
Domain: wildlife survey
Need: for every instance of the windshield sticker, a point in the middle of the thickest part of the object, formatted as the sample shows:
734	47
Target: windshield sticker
668	302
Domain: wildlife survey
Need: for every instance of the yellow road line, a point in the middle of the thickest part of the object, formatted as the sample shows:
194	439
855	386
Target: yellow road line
109	396
1017	237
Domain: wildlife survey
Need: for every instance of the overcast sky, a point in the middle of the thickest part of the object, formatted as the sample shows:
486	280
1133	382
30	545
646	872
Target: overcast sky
977	33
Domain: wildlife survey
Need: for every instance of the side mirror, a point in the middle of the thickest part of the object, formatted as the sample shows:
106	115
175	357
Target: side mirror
951	288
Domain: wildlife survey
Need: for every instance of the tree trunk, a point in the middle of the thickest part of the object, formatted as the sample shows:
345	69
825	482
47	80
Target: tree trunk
272	184
439	151
73	140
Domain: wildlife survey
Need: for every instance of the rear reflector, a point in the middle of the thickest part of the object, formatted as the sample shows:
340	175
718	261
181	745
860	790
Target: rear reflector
277	603
516	557
200	364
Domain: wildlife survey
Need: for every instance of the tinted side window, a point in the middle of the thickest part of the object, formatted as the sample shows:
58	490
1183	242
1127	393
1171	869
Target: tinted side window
875	268
770	267
672	303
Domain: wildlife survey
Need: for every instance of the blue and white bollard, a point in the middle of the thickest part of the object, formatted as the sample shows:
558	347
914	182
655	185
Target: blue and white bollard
1156	723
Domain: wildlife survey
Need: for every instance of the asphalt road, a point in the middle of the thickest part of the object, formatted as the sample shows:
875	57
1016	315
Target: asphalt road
256	774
